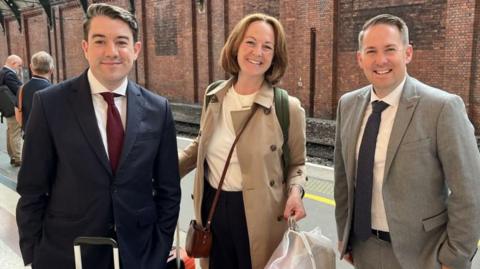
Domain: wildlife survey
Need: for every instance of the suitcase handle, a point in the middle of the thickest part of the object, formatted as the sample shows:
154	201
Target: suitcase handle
85	240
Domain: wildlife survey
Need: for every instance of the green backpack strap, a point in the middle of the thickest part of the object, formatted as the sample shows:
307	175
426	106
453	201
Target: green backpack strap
211	87
280	97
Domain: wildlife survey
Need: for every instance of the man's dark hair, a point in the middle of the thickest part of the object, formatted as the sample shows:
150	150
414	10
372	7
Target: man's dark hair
113	12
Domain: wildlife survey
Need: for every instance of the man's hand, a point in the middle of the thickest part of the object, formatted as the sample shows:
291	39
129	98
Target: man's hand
294	206
348	255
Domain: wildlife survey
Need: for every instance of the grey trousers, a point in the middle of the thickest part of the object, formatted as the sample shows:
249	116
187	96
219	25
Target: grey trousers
374	254
14	139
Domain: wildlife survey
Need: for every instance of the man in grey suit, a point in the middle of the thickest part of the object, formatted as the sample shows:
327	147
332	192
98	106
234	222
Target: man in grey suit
407	167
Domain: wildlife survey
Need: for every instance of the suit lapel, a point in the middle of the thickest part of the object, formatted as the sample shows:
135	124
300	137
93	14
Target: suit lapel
355	123
80	99
135	103
406	107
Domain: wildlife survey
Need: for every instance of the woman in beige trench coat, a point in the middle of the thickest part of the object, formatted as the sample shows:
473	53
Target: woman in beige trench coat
256	197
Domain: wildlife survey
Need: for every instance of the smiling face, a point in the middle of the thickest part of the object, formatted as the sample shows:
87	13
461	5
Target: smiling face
384	57
256	50
110	50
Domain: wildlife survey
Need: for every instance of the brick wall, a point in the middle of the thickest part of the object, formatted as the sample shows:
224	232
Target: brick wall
182	43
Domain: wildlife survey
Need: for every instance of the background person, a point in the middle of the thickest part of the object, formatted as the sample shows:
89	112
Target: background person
9	72
256	197
41	66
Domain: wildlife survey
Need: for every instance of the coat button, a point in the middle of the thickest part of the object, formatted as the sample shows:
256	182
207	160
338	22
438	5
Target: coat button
299	172
154	193
272	183
267	111
191	195
279	218
273	147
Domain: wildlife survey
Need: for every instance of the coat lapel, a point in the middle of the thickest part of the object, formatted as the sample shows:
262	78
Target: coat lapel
80	99
406	107
135	103
356	120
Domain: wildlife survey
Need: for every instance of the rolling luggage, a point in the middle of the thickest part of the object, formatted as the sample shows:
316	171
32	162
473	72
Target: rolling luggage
79	241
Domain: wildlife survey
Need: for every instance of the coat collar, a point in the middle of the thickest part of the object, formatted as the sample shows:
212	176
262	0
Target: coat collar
80	99
263	98
406	108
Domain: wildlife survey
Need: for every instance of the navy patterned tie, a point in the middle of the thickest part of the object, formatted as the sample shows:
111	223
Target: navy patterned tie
115	131
362	220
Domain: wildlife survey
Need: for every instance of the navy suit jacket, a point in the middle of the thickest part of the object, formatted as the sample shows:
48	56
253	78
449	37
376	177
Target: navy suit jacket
10	79
29	89
67	187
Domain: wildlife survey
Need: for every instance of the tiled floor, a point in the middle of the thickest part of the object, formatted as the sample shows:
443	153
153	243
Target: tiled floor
9	251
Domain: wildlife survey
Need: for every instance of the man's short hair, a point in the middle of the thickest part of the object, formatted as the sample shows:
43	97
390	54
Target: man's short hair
113	12
228	57
42	63
385	19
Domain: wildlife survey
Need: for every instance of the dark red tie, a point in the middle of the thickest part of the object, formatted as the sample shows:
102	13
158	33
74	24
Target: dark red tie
115	131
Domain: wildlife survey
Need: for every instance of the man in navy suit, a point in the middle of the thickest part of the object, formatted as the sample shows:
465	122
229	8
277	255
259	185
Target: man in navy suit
75	181
41	66
13	64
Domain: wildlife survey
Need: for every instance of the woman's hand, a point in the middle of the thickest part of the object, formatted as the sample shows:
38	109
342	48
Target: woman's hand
294	206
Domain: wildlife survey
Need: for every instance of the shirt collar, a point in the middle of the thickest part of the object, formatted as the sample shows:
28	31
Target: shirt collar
40	77
96	87
393	98
9	68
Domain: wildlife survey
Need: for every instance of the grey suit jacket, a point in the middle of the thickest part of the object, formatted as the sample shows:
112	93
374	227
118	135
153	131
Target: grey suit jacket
431	182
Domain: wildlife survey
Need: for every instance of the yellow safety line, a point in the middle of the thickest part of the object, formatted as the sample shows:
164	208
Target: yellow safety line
331	202
320	199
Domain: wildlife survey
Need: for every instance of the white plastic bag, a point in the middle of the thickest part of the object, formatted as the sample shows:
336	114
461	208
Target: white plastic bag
303	250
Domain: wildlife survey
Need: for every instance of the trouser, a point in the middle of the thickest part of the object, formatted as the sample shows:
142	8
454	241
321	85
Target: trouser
230	244
373	254
14	139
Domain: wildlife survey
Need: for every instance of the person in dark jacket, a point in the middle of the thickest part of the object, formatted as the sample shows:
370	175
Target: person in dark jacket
100	159
9	72
41	66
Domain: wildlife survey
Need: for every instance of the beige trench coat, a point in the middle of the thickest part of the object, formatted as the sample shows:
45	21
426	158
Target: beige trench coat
259	152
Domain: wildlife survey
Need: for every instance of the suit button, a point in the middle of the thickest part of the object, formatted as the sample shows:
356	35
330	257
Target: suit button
279	218
267	111
273	147
272	183
154	193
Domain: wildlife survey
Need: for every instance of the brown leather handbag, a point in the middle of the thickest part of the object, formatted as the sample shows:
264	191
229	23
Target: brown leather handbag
199	238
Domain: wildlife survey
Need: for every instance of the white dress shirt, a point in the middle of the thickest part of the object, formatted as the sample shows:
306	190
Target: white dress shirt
379	218
100	105
222	140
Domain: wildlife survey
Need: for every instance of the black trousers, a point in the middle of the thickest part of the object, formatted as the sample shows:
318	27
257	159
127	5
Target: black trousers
230	246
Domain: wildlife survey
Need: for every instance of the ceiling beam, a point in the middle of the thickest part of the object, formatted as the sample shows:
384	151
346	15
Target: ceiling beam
48	10
16	12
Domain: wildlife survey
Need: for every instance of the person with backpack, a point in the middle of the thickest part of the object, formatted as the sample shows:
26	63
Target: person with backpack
264	172
9	78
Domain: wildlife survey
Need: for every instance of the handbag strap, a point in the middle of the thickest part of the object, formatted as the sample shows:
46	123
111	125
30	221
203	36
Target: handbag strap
225	168
20	98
